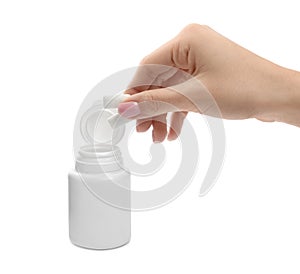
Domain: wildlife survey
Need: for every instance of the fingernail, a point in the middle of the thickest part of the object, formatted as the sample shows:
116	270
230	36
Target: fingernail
155	139
129	109
171	138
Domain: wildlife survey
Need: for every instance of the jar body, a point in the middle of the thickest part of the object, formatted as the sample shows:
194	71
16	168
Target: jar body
93	222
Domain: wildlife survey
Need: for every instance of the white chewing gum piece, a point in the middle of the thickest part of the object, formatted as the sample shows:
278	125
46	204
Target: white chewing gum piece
117	120
114	101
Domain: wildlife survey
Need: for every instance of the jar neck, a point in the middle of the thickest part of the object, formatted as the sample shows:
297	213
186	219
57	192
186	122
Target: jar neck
98	159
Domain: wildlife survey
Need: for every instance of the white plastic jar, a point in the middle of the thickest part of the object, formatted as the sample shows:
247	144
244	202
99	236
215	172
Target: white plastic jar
96	182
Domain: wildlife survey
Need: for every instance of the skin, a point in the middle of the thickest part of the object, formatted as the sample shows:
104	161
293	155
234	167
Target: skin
242	84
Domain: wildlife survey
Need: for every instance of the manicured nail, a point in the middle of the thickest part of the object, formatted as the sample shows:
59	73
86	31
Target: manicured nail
155	139
129	109
172	137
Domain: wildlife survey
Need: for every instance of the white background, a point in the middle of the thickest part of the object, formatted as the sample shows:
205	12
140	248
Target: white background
53	53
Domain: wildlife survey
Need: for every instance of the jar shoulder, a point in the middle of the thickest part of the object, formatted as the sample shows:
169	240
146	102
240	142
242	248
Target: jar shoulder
74	174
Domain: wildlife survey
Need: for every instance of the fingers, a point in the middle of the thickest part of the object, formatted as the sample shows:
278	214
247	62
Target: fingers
143	125
165	67
157	68
152	103
154	113
177	120
138	89
159	131
159	123
163	55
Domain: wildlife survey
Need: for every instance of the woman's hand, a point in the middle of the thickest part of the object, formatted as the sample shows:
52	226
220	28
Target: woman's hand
242	84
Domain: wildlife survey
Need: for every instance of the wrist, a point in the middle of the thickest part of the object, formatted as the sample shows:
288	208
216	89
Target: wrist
280	101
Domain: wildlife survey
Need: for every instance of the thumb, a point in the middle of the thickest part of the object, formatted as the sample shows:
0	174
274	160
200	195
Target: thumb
152	103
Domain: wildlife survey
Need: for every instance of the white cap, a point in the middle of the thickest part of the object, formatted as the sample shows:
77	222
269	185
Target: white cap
116	120
96	129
